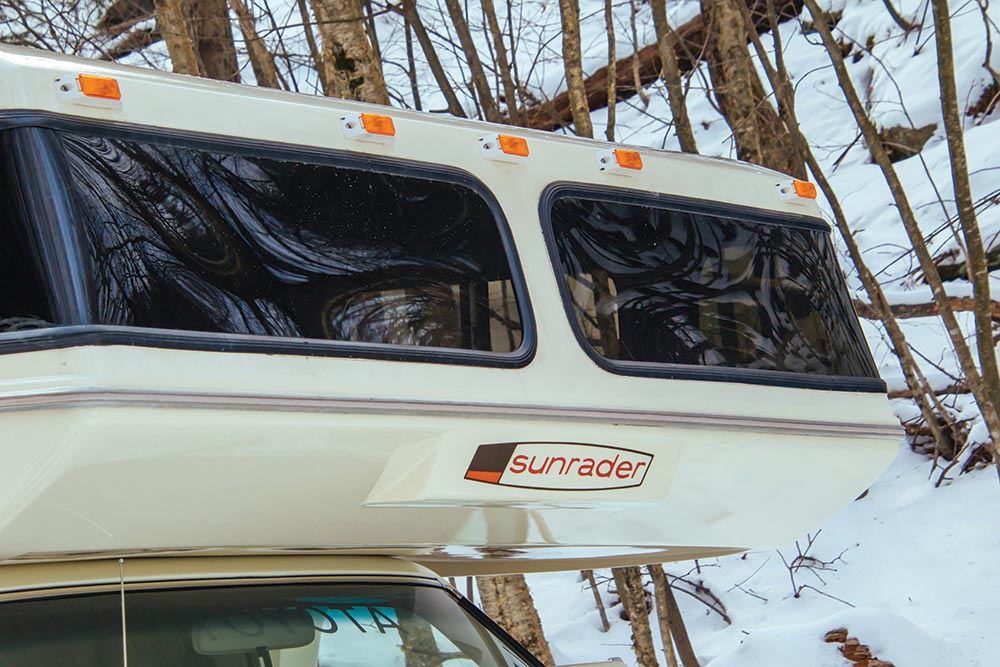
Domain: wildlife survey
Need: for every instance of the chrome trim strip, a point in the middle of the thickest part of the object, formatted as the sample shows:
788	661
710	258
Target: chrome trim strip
102	397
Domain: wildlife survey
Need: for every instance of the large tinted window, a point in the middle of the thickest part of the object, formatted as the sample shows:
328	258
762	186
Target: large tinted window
651	283
222	241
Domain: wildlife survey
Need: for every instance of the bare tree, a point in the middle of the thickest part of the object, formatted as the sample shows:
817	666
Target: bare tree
759	134
609	27
977	384
502	62
671	622
573	62
780	82
261	59
628	581
172	21
975	249
408	10
588	576
507	600
482	85
667	41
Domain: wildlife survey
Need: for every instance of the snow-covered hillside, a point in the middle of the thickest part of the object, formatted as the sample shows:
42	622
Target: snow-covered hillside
912	574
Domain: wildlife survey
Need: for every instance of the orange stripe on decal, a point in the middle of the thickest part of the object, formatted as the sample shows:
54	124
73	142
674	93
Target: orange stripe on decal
479	476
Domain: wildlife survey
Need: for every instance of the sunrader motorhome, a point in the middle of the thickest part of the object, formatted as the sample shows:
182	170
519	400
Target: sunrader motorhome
282	354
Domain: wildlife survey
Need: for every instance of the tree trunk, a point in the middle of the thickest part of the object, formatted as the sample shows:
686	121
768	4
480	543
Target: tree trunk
978	270
484	91
609	131
588	576
213	36
503	64
628	581
350	67
507	600
261	60
670	72
314	51
760	136
570	13
411	67
636	65
408	10
172	23
671	622
199	37
417	638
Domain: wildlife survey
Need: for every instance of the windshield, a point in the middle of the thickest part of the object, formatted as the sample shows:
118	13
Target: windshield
319	625
662	284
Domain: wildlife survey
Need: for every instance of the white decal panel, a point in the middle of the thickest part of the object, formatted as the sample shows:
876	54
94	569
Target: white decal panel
559	466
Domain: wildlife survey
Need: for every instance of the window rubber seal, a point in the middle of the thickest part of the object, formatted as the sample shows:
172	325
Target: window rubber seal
682	371
62	336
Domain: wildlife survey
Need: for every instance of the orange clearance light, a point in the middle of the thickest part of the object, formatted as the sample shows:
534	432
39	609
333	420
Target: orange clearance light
619	161
377	124
628	159
512	145
100	87
503	148
804	189
370	127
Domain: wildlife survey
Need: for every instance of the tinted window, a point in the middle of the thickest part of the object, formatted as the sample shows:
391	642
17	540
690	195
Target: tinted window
651	284
24	303
227	242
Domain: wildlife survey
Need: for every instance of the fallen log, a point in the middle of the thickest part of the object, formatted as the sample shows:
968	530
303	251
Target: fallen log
555	114
959	304
950	390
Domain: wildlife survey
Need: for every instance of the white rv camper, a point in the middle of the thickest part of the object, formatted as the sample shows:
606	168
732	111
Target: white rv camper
271	363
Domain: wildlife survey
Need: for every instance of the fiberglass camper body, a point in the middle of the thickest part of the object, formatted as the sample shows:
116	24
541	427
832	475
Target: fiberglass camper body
240	321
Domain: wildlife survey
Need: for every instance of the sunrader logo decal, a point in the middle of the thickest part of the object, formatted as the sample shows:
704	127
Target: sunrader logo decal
559	466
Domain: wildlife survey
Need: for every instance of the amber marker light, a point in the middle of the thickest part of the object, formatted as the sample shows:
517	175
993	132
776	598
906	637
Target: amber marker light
377	124
512	145
619	161
804	189
628	159
100	87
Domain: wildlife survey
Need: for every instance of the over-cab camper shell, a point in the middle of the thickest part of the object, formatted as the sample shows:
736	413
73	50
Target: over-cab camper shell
239	321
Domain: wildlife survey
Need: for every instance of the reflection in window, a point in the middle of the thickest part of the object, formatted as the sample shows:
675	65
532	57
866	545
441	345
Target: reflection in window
24	303
666	286
222	242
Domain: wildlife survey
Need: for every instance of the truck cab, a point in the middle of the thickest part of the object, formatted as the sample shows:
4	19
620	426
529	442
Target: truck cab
276	611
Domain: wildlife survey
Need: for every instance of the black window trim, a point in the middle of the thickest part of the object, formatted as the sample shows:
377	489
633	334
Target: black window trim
59	337
681	371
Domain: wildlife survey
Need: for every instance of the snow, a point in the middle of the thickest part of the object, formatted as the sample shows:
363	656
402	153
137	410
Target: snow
912	576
